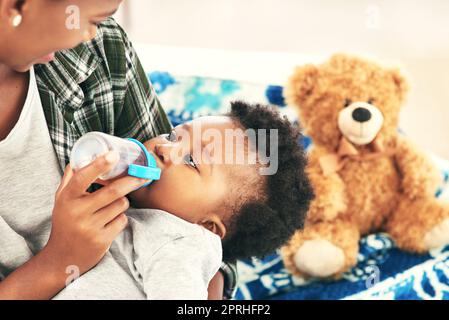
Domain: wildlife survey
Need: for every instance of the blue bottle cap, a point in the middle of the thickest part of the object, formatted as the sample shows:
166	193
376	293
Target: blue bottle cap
150	172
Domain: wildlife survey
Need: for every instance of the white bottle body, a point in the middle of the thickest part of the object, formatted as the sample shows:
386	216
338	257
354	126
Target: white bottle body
95	144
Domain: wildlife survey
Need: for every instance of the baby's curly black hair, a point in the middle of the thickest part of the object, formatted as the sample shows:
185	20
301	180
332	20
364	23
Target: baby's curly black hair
263	223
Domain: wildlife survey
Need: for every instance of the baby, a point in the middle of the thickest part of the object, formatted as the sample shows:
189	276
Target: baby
212	204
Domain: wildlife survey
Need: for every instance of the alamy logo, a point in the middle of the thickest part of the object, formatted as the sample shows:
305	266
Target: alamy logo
231	147
73	274
72	21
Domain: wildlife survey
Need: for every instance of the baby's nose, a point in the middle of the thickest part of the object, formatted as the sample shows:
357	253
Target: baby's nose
163	152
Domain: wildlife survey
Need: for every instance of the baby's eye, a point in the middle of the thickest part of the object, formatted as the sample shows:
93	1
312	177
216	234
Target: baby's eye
188	159
172	136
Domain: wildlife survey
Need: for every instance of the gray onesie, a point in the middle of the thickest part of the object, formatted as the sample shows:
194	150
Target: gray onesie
158	256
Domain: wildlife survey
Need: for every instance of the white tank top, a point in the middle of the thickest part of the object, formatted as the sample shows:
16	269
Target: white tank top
29	175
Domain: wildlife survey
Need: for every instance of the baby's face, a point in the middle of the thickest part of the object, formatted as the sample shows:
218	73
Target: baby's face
196	177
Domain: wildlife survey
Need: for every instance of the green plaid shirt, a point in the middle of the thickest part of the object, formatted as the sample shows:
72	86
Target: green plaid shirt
101	86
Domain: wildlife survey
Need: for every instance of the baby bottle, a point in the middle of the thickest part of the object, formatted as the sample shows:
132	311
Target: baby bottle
134	158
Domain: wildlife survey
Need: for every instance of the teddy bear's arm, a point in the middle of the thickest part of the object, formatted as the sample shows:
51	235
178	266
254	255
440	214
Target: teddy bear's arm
420	178
330	197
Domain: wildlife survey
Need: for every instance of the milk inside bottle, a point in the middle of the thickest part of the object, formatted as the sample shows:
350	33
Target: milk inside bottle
134	158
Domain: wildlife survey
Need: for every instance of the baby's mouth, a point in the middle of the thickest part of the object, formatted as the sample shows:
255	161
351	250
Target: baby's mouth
154	152
155	155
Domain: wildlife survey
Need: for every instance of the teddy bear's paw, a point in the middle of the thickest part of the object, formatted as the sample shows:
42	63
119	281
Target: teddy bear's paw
319	258
438	236
325	210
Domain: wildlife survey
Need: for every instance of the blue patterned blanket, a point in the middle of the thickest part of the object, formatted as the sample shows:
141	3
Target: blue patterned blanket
382	272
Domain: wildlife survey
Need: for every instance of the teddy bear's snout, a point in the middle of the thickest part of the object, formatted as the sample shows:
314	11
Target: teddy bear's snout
360	122
361	115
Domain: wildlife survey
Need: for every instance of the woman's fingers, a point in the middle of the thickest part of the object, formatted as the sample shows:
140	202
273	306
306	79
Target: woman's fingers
113	191
68	174
102	182
107	214
83	178
116	226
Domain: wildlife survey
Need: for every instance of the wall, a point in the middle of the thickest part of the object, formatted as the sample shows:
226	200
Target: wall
414	33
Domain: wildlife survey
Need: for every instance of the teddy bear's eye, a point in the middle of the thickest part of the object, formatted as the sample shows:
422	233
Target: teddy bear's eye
348	102
370	100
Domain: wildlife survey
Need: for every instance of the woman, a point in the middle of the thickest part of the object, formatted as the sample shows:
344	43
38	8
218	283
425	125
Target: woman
50	95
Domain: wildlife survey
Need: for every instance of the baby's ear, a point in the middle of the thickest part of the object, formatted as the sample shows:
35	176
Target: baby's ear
400	82
301	84
215	225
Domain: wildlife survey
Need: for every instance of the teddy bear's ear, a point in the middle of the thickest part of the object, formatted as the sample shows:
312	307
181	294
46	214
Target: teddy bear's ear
400	83
300	84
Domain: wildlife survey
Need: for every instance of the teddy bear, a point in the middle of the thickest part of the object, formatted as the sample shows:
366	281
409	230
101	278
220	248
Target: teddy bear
367	177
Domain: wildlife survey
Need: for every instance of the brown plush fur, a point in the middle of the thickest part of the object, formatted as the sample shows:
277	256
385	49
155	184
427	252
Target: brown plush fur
393	194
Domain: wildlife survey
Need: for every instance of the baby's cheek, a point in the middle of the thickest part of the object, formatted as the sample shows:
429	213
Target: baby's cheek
214	193
170	192
182	200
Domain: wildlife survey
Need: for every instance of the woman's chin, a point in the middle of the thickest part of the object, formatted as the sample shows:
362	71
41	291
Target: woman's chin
23	68
46	59
26	67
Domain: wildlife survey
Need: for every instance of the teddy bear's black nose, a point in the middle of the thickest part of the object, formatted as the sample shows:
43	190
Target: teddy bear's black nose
361	115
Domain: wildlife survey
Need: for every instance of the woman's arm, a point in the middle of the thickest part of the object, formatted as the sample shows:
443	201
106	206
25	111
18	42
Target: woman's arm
40	278
83	228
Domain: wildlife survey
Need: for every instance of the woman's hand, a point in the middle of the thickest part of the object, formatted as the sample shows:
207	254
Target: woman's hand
85	224
83	228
